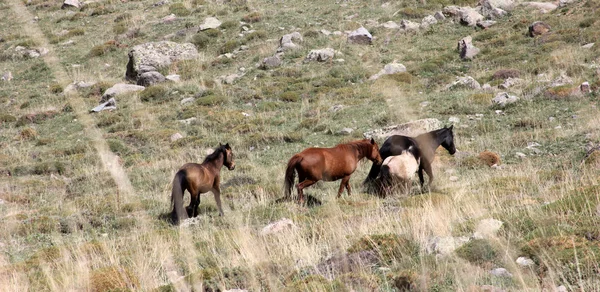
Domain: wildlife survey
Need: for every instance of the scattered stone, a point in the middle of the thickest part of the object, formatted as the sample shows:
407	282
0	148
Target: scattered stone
507	5
503	98
412	128
390	25
585	87
325	32
270	62
345	131
287	41
169	18
466	49
71	3
336	108
538	28
360	36
120	88
439	16
7	76
150	78
487	228
210	22
510	82
587	46
278	226
428	21
157	55
454	120
187	100
173	78
338	33
176	137
525	262
501	272
464	82
533	145
542	7
229	79
469	16
445	245
486	23
110	104
453	178
562	288
408	26
348	263
321	55
520	155
391	68
67	43
561	80
487	87
189	122
161	3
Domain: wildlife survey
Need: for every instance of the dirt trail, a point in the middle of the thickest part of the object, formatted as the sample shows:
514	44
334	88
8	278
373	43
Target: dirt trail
110	161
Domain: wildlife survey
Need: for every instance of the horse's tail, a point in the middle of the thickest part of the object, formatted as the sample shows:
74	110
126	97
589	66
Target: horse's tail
179	213
290	174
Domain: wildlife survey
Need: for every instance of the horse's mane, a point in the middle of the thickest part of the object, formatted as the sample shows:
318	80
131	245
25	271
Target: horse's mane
359	145
215	154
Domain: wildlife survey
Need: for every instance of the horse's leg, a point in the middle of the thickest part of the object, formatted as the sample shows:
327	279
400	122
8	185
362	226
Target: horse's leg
196	205
429	172
344	184
421	178
190	208
301	186
217	192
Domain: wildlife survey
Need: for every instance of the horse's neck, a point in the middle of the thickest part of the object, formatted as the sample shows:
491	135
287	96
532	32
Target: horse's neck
430	141
216	163
362	151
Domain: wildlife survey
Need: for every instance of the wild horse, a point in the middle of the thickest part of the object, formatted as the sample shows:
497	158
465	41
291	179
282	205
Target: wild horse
328	164
200	178
424	147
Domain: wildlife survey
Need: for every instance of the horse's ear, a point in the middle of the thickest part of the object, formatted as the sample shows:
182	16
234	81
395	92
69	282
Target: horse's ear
220	144
372	141
227	146
452	126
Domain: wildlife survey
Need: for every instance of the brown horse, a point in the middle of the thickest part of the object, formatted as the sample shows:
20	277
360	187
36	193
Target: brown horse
328	164
200	178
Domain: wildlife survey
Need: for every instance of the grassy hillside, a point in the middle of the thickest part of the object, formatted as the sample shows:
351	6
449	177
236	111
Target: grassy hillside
84	198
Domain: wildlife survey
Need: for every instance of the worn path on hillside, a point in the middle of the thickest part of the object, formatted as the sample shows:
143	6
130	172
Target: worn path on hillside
110	161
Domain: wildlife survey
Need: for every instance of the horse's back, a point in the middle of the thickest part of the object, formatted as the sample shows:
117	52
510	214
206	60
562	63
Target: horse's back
396	144
402	166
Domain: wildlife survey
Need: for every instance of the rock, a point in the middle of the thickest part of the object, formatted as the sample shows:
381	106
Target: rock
173	78
161	3
187	100
408	26
7	76
120	88
71	3
428	21
504	98
563	3
525	262
287	41
150	78
453	178
454	120
360	36
466	50
67	43
169	18
452	11
445	245
347	263
157	55
542	7
325	32
391	68
585	87
507	5
487	228
390	25
487	87
176	137
562	288
336	108
486	23
270	62
439	16
189	122
587	46
520	155
501	272
510	82
110	104
470	16
538	28
321	55
229	79
278	227
413	128
210	22
345	131
561	80
464	82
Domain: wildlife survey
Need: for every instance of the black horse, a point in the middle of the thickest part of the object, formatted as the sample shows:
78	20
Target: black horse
424	148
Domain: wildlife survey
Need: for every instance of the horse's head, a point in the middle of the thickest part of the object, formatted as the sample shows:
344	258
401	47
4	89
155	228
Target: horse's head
374	153
448	140
228	157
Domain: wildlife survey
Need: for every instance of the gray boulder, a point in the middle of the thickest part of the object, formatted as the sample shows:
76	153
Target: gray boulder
157	55
538	28
470	16
110	104
439	16
507	5
466	49
510	82
287	41
360	36
501	272
504	98
390	25
409	26
210	22
445	245
486	23
321	55
487	228
524	262
412	128
120	88
270	62
150	78
7	76
542	7
71	3
464	82
391	68
428	21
